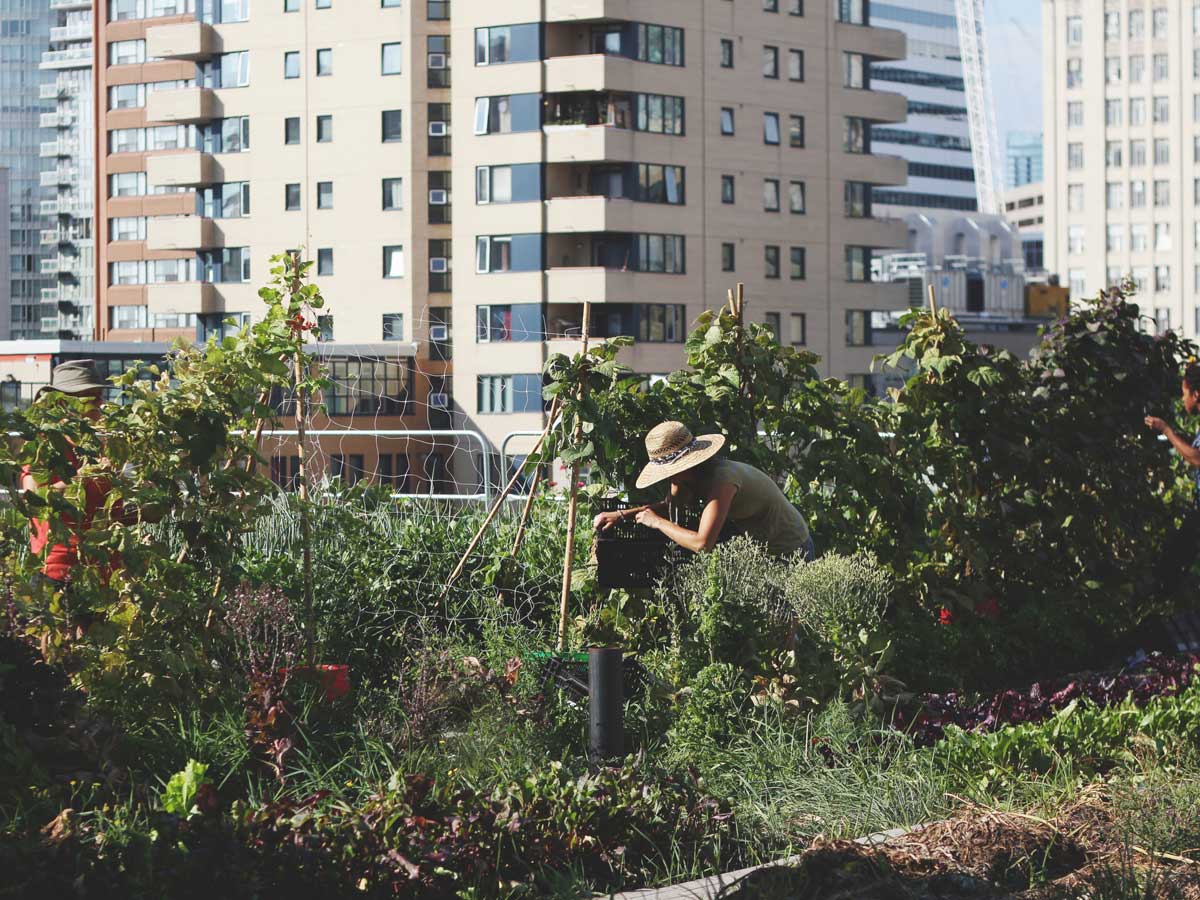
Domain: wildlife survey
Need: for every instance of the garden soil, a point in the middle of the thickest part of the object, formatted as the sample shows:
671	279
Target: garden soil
982	854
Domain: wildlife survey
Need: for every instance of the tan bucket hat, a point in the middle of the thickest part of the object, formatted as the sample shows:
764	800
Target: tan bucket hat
673	449
76	376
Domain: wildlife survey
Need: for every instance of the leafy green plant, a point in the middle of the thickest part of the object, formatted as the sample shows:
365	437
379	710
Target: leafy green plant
182	790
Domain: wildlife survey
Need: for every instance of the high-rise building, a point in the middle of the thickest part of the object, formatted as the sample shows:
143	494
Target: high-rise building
1023	159
24	35
1122	154
642	160
68	178
935	141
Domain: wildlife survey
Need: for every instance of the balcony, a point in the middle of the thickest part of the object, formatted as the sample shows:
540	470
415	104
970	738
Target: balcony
185	40
573	215
48	266
52	91
589	72
588	143
60	175
75	58
594	284
70	5
50	149
181	233
880	43
182	169
184	105
50	207
183	297
50	236
62	34
590	10
878	106
874	168
63	119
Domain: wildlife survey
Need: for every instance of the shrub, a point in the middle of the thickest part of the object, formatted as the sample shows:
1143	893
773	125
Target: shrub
716	702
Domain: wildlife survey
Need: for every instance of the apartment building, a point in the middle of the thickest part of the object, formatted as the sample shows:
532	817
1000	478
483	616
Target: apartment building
935	140
68	151
642	158
1023	159
1122	152
24	35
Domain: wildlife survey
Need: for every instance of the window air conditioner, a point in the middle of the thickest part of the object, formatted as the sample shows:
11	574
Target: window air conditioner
439	264
438	129
439	198
439	334
440	400
437	60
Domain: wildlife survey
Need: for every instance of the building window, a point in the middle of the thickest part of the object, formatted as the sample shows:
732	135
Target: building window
658	184
858	200
508	44
771	195
508	184
1162	193
518	323
291	64
437	10
1162	236
291	130
726	53
771	320
393	261
324	195
1075	238
325	261
858	263
508	253
856	135
1138	238
660	114
128	228
795	65
1074	31
1162	280
509	394
1075	156
797	199
224	201
1137	153
1162	110
770	61
1112	70
324	61
127	184
796	131
854	12
393	326
798	329
393	193
508	113
771	128
391	126
799	264
1160	22
727	189
1114	239
1113	154
726	120
1137	68
1137	111
854	71
126	53
324	129
1074	114
795	7
1162	152
1112	26
728	258
291	196
770	6
1137	23
437	61
771	261
390	59
1074	72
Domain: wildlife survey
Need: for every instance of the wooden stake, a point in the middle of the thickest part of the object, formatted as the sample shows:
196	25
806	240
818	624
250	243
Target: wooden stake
302	461
573	508
524	523
741	316
497	505
932	301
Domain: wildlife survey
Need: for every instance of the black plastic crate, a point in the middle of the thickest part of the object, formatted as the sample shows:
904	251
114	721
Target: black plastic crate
629	555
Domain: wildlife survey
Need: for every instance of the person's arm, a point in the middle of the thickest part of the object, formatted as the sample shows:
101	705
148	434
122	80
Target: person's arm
1190	454
607	520
712	520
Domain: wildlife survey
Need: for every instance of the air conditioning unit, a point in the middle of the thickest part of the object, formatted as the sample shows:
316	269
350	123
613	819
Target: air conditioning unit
439	400
438	61
439	198
438	129
439	334
439	264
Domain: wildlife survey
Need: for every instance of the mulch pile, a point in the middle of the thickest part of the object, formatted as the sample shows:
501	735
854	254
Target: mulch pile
982	854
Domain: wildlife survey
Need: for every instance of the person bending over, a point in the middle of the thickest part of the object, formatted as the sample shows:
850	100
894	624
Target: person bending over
1184	545
731	492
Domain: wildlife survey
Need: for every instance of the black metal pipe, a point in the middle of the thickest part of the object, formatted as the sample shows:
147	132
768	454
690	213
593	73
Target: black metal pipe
606	702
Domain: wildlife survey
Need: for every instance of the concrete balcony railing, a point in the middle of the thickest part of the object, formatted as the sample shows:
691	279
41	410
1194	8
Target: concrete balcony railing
874	168
181	233
51	149
182	169
48	266
577	215
60	175
49	236
878	106
880	43
585	10
52	91
185	105
590	143
182	297
591	284
74	58
183	40
61	34
589	72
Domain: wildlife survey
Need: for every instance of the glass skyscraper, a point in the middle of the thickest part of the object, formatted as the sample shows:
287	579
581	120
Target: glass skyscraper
1023	159
24	35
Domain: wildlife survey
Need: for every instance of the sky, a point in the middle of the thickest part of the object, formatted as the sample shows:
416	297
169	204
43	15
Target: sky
1015	41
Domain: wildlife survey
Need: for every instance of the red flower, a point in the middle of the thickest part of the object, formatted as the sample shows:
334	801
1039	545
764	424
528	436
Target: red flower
945	616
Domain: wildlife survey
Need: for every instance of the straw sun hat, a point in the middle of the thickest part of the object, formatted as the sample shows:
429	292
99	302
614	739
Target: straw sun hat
673	449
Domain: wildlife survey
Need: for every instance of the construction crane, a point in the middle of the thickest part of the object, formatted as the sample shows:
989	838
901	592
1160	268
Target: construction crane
981	106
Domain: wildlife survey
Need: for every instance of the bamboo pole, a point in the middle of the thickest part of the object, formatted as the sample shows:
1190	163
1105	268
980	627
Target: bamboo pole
302	463
932	301
524	523
573	508
497	505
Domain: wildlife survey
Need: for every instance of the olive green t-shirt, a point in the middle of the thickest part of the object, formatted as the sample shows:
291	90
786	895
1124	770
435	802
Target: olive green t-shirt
759	507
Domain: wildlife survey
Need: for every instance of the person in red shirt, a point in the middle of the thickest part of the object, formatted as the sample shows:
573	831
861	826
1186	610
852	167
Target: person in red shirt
78	378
